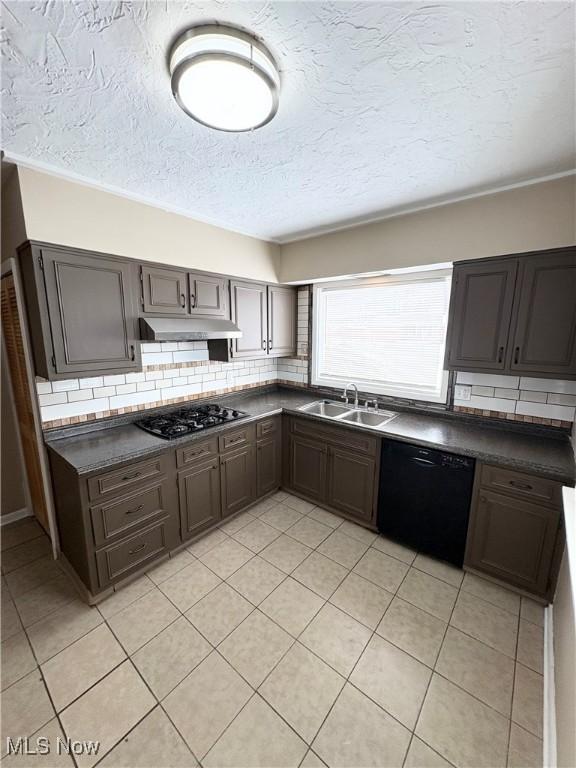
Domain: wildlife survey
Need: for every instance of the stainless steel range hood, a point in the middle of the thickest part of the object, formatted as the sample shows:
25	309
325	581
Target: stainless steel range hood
187	329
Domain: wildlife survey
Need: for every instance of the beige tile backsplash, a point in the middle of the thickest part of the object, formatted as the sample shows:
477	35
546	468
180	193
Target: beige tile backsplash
172	372
519	398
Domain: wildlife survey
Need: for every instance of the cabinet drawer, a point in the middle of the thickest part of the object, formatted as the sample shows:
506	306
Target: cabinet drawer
195	452
521	485
118	561
267	427
237	438
127	477
123	514
345	438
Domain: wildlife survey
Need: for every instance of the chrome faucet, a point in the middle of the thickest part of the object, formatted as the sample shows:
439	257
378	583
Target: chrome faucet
345	394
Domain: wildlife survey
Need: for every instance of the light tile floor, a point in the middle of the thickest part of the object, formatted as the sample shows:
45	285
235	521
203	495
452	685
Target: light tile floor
286	637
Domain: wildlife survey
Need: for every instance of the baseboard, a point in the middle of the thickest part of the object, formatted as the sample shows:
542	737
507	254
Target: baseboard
18	514
549	691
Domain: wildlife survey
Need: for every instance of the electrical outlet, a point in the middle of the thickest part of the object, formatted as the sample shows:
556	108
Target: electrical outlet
462	392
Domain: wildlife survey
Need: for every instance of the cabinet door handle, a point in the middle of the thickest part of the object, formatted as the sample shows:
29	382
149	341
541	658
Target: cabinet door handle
521	486
516	355
182	300
136	509
269	345
483	498
500	354
132	352
192	300
264	344
137	549
132	476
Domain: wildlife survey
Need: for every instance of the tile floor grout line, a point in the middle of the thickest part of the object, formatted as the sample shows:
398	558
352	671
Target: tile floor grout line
432	675
326	600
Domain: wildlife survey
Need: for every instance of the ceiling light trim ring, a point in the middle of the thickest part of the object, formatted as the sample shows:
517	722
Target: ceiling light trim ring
223	44
183	66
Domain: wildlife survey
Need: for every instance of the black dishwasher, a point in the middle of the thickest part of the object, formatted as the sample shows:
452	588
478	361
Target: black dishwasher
424	499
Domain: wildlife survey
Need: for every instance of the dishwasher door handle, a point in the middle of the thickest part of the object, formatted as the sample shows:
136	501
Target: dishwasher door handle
425	462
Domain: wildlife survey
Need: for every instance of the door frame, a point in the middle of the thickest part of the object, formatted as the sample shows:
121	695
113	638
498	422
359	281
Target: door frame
10	267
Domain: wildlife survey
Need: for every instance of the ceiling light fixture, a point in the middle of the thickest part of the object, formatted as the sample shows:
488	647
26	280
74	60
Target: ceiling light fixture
224	78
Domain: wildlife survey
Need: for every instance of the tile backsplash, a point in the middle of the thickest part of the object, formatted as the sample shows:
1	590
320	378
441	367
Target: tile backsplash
172	372
518	398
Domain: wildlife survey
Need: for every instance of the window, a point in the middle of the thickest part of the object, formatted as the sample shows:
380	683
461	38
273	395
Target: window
385	334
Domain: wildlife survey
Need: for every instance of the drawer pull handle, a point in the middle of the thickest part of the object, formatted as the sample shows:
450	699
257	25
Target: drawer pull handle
137	549
522	486
136	509
238	440
132	476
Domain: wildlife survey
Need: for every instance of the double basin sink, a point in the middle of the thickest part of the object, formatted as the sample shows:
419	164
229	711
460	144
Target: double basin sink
347	415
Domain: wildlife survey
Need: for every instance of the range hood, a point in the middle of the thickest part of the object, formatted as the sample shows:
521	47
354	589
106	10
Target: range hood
187	329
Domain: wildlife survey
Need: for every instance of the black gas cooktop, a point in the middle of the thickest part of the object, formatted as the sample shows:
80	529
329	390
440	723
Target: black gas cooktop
186	421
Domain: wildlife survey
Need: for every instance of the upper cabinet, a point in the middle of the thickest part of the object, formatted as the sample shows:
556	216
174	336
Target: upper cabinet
177	292
81	311
207	295
543	337
164	291
248	304
515	315
281	320
266	315
480	312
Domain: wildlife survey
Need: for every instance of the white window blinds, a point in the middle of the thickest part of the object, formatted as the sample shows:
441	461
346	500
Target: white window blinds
387	335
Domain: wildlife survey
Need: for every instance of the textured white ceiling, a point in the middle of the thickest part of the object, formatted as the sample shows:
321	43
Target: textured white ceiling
384	105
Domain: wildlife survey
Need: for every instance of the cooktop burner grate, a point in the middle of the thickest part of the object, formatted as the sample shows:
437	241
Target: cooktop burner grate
186	421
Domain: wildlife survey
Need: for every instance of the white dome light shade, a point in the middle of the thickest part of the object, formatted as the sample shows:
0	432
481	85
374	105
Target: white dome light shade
224	78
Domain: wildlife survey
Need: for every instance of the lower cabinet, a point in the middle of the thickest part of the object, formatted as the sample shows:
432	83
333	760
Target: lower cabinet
351	483
332	466
238	479
307	470
268	465
514	539
199	494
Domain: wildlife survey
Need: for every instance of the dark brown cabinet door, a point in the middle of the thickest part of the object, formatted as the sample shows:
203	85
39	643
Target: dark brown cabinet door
544	341
207	295
480	314
268	465
281	321
351	483
164	291
249	314
512	539
308	467
238	480
199	492
91	311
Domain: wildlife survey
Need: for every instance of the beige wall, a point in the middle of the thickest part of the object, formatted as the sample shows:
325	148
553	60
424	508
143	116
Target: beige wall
13	481
527	218
13	229
565	667
67	213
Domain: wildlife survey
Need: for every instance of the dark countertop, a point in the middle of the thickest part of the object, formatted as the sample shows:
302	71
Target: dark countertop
550	457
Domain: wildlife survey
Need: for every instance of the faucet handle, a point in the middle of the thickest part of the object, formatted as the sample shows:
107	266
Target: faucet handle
373	403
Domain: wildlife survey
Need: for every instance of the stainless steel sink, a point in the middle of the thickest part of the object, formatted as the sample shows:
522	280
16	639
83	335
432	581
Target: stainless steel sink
368	418
326	408
344	413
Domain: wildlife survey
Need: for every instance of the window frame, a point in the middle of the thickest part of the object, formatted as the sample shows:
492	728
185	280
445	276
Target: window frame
404	393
